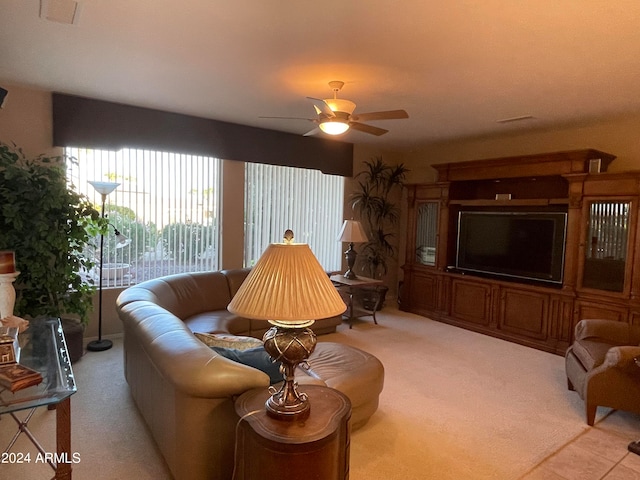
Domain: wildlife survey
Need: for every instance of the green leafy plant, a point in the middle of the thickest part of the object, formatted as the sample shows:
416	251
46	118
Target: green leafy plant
375	200
48	225
188	241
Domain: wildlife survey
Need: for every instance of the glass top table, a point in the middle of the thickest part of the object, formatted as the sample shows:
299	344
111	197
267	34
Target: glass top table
43	348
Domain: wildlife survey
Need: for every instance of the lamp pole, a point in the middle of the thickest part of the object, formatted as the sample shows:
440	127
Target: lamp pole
99	345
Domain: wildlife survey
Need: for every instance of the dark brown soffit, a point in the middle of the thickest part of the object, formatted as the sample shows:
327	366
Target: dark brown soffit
90	123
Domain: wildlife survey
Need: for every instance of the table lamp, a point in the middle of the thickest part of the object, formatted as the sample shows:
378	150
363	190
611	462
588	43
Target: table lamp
288	288
351	232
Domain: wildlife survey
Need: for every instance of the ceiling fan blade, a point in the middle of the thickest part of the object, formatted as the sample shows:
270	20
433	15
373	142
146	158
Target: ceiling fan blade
322	107
368	128
388	115
310	133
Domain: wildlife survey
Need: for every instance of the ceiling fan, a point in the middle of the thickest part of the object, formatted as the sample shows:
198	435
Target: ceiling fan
335	115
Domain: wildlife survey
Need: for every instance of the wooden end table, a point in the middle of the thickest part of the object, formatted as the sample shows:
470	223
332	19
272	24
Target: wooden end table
349	286
316	447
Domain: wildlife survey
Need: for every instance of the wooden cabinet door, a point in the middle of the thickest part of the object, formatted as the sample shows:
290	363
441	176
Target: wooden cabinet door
426	240
607	245
592	309
423	292
471	301
524	312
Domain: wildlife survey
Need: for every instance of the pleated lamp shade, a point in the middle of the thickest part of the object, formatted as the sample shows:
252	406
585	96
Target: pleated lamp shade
287	287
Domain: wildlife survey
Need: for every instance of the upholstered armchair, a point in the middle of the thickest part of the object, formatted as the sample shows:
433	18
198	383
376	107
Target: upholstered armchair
601	366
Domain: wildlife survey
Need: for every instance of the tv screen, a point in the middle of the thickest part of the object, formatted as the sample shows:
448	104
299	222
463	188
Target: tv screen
527	245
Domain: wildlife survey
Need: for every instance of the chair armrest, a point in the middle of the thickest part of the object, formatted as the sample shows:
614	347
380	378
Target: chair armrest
623	358
608	330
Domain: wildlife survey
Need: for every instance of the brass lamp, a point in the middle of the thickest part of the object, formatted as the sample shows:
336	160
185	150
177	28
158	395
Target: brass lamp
351	232
288	288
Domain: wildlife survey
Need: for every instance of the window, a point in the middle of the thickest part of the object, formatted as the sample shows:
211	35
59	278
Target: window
307	201
167	205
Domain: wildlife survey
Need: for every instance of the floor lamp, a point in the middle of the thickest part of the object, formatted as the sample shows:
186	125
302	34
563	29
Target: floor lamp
99	345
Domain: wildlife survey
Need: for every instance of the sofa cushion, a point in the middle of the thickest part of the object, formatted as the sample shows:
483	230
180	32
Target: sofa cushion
256	357
235	278
591	352
238	342
218	321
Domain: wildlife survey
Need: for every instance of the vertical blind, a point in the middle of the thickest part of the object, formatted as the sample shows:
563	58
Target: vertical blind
608	230
167	204
427	231
306	201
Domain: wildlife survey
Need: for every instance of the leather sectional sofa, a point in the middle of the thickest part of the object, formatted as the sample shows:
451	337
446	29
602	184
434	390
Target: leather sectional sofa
185	391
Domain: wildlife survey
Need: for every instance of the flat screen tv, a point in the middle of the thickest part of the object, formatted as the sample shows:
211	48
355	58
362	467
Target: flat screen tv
521	245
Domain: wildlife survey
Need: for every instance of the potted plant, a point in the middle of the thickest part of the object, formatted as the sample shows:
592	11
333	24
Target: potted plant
47	224
375	202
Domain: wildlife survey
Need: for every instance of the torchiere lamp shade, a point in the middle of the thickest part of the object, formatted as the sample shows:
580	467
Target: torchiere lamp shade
287	287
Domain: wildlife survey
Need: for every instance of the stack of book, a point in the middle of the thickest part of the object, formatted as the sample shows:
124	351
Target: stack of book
13	375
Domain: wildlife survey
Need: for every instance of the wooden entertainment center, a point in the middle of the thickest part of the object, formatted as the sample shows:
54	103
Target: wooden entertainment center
600	240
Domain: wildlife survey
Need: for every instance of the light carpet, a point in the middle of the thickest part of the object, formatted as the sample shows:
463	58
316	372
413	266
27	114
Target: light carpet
456	405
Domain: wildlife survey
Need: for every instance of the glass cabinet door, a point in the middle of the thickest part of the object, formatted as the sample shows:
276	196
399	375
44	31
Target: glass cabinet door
606	245
426	233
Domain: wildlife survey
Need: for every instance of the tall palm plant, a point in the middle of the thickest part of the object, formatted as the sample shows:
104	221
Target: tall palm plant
375	203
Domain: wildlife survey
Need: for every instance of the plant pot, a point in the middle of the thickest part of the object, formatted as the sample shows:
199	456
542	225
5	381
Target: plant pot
368	296
73	335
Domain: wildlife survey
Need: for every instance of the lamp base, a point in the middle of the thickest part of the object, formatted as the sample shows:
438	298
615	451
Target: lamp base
350	275
350	255
291	346
99	345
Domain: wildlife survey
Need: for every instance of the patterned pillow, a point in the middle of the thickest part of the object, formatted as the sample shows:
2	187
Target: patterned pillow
225	340
254	357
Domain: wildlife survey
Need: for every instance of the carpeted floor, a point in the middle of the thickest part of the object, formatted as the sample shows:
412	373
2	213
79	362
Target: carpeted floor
456	405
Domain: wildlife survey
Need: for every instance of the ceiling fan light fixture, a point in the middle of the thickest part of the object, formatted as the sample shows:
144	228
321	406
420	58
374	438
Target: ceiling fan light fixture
334	126
340	105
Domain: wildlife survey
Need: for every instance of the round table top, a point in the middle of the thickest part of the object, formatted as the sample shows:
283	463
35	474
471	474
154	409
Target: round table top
328	408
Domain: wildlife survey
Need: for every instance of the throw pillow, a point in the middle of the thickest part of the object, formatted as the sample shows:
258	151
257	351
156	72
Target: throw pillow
228	341
254	357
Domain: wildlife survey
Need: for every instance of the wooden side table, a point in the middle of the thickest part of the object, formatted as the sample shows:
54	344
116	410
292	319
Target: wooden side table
349	286
316	448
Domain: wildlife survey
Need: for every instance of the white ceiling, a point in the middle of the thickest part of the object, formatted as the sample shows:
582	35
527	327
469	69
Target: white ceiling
455	66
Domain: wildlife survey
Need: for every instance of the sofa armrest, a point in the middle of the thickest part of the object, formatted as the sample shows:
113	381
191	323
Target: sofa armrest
617	333
623	358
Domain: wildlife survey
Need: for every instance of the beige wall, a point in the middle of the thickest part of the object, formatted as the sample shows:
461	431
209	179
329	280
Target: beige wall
26	120
361	154
619	136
